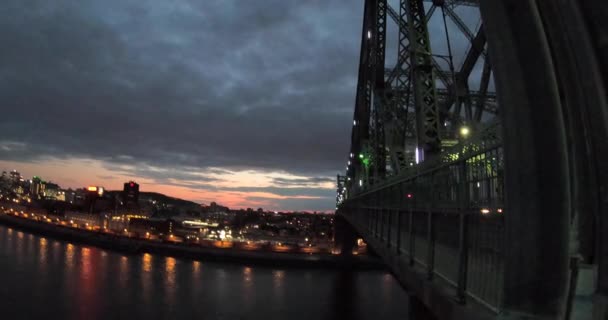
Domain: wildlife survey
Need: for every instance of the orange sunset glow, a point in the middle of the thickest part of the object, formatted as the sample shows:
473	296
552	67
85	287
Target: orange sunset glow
235	189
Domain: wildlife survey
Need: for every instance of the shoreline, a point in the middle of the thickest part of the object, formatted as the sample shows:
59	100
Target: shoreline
135	246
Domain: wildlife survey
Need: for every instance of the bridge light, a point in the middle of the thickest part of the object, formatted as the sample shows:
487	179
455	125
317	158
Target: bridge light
351	155
349	163
361	156
465	131
360	183
409	195
485	211
369	34
499	210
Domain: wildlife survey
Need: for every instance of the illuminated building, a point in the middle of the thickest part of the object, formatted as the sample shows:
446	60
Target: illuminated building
37	187
130	193
60	196
15	176
92	194
51	191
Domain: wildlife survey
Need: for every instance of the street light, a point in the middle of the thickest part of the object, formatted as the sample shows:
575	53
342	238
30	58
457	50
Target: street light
465	131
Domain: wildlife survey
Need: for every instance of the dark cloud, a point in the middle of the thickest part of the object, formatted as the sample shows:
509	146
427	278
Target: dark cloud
308	181
265	85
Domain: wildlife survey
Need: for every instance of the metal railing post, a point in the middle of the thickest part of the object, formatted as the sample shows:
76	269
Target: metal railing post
382	225
398	232
377	217
430	245
463	258
411	231
463	245
388	225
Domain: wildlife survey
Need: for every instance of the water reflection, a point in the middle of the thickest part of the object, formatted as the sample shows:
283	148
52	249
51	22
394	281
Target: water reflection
247	274
170	285
278	287
123	272
196	269
43	255
196	284
69	257
19	247
147	262
90	283
56	251
30	245
146	276
342	298
170	270
248	287
87	287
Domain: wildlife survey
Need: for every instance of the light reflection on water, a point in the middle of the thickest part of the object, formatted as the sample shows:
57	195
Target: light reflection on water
123	272
42	253
81	282
69	257
169	284
146	275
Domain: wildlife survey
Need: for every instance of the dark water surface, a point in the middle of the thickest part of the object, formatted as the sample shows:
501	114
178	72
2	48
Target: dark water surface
50	279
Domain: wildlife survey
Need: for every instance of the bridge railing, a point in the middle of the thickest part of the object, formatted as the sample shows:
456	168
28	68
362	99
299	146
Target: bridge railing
445	218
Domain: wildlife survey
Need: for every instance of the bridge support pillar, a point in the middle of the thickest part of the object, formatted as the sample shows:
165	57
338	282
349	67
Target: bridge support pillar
418	311
537	178
345	236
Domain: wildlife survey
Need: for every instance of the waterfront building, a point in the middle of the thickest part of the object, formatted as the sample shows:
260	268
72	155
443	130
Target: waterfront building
130	193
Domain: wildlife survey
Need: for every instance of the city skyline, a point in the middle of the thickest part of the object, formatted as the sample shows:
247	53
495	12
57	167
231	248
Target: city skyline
223	198
239	103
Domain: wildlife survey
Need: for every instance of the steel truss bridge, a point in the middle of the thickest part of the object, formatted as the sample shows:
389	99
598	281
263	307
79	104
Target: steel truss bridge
478	164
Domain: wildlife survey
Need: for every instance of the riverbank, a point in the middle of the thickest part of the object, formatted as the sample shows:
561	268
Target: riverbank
184	250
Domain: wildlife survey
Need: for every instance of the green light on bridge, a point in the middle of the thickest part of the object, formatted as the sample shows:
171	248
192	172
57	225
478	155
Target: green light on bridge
365	160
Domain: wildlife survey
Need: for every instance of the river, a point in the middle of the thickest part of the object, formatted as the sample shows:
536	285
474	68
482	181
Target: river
45	278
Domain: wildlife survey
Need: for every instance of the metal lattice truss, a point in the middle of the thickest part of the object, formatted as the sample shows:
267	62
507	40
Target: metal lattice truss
414	108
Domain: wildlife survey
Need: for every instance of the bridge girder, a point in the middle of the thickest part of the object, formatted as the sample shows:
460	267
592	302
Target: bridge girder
550	60
403	108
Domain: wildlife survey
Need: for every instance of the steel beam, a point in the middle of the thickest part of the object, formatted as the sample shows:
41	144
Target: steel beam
423	79
537	182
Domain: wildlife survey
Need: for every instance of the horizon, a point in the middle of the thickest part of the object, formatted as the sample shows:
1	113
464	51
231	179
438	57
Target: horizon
120	185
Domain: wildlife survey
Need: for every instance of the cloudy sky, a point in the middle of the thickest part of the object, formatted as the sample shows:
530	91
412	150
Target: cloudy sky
247	103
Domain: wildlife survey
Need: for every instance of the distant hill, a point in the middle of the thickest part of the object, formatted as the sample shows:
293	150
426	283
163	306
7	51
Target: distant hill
161	198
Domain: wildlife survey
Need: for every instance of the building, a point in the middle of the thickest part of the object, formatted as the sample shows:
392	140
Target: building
93	193
130	193
60	195
69	195
51	191
84	219
37	188
15	176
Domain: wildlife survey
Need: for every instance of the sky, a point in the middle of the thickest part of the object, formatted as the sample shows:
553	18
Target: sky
246	103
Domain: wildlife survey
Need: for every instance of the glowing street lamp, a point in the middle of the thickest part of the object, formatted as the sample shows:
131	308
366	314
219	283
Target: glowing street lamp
465	131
